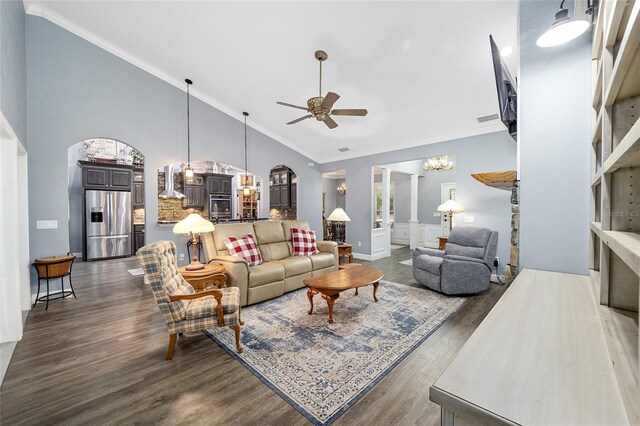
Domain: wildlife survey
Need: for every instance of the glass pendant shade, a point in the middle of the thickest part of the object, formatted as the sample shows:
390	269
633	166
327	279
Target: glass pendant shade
246	191
188	172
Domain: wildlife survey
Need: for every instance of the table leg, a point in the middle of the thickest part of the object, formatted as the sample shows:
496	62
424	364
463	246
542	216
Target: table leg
330	300
310	294
375	288
356	291
350	256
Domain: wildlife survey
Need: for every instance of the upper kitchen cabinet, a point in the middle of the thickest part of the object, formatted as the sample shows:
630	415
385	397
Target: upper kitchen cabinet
112	176
219	184
138	188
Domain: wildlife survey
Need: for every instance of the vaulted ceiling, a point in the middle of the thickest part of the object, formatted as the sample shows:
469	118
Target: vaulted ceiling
422	69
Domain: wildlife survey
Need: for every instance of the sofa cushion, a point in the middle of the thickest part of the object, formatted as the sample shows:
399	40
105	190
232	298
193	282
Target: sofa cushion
269	232
322	260
244	247
295	265
266	273
304	242
288	224
225	230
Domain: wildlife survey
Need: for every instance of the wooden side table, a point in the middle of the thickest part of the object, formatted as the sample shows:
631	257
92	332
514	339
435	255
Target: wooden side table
344	249
211	274
442	241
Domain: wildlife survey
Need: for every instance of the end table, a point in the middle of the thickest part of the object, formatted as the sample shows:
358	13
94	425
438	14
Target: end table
200	280
442	241
344	249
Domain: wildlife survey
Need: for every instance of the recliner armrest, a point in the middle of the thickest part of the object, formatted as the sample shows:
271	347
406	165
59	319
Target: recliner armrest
237	269
465	259
428	251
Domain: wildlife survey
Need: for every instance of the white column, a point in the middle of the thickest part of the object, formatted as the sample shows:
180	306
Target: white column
413	222
386	183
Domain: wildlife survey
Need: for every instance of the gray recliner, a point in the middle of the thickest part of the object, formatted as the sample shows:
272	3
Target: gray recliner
464	267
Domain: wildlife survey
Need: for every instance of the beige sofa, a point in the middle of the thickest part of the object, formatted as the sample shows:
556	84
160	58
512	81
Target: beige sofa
280	271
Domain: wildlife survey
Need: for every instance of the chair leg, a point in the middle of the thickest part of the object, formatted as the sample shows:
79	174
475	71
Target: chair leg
239	319
46	305
172	346
38	294
236	330
71	285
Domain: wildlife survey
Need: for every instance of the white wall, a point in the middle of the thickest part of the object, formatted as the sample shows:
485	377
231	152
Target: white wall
555	90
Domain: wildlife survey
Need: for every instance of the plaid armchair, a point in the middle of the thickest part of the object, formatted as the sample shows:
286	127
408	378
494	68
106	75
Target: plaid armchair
182	308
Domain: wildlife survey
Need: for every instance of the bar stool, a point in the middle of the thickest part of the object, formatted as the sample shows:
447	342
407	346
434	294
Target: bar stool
51	268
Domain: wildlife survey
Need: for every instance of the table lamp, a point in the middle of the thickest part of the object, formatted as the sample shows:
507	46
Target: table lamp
451	207
193	225
339	216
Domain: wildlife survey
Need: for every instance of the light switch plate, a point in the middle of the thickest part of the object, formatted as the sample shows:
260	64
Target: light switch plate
469	219
46	224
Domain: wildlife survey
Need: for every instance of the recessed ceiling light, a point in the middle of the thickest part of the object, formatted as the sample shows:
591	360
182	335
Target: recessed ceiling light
506	51
345	149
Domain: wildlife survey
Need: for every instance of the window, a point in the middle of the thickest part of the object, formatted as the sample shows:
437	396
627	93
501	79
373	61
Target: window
378	201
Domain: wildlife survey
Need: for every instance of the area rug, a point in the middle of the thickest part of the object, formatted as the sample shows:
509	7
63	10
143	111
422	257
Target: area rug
322	369
408	262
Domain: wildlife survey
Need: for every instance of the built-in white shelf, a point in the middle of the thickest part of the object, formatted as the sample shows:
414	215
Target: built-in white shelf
621	332
597	87
595	180
596	227
624	82
626	245
596	135
627	153
615	13
597	37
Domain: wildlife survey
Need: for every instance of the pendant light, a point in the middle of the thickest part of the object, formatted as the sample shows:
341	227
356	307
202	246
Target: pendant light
564	29
188	171
246	191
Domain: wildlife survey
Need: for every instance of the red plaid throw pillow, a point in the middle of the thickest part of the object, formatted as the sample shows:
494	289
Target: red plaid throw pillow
244	247
304	242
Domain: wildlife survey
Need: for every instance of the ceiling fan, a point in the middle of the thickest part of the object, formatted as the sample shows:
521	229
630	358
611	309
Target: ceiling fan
320	107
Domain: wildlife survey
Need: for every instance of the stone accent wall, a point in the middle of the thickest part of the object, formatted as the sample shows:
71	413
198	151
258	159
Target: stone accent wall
171	210
513	267
283	213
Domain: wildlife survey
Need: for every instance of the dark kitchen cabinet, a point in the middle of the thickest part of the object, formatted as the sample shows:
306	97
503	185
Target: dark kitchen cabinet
138	237
194	192
219	184
138	189
282	189
108	176
293	196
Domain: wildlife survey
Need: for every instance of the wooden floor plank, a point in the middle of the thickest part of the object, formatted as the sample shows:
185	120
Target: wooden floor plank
100	360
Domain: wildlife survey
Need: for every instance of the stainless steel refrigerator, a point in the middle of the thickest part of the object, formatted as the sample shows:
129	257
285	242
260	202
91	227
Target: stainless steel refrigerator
108	218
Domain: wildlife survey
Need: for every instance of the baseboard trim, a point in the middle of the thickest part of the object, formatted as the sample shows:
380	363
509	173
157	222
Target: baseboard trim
362	256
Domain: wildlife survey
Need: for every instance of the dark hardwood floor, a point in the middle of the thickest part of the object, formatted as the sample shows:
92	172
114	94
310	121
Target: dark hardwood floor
100	359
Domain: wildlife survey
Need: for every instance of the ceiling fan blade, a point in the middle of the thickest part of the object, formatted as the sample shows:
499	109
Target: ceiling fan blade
293	106
329	100
330	123
300	119
358	112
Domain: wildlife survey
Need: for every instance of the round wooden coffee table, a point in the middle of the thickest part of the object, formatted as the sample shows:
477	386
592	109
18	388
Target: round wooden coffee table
330	285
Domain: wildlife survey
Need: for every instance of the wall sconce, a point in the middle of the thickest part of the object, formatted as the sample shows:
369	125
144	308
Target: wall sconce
438	163
342	189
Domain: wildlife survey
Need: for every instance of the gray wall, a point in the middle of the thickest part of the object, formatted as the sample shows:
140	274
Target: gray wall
402	208
429	194
484	153
332	199
13	72
555	89
78	91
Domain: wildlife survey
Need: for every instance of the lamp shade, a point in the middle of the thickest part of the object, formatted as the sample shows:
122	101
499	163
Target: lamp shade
194	223
450	206
338	215
563	30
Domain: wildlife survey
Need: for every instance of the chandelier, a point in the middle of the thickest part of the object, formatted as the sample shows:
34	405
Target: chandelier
438	163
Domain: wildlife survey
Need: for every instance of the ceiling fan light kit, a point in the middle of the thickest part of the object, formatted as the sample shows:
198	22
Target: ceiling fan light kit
319	107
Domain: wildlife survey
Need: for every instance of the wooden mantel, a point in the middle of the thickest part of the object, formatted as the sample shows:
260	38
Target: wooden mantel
501	180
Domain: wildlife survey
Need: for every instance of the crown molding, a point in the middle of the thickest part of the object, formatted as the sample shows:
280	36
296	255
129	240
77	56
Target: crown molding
43	12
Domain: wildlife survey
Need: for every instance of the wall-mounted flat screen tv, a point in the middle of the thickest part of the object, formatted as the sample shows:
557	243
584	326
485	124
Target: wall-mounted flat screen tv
507	91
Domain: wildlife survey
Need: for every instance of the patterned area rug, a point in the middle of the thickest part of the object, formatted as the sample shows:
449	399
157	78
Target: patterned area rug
322	369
